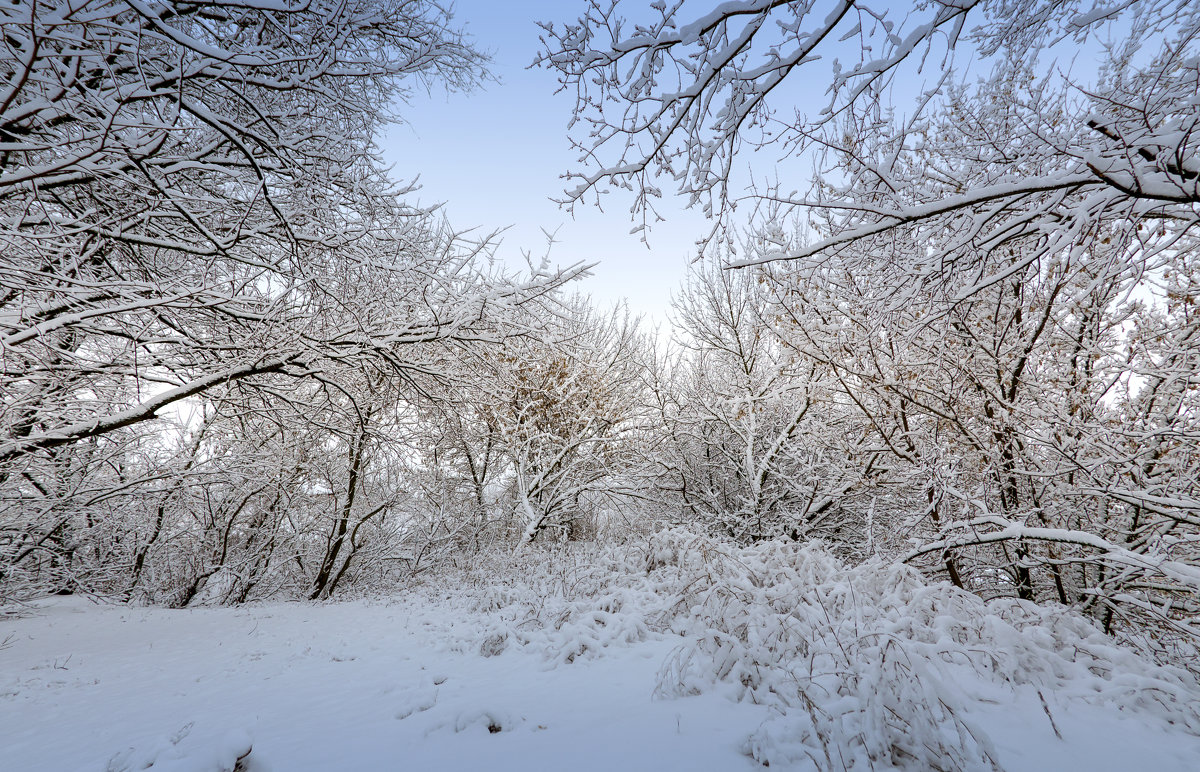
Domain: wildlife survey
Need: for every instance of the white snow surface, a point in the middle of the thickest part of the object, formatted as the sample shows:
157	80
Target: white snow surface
676	654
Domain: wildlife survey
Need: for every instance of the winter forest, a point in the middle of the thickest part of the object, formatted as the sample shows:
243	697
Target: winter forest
910	480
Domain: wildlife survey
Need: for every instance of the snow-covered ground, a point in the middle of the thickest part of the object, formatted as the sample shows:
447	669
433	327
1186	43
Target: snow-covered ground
343	686
471	676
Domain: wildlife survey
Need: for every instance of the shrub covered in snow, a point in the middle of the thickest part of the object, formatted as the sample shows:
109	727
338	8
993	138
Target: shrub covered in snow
864	666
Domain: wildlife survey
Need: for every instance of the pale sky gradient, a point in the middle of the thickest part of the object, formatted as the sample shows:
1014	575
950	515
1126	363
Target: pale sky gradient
495	157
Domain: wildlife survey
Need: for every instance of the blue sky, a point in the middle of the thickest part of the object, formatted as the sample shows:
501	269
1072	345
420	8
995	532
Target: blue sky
495	157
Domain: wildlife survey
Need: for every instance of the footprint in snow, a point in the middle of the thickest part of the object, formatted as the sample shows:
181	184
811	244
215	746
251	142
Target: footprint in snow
437	678
185	752
417	701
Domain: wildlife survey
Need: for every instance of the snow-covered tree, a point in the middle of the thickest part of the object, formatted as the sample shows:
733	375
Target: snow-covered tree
191	197
179	181
684	94
994	245
566	405
751	450
999	412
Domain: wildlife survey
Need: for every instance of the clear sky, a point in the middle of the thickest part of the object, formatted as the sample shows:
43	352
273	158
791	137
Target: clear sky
495	157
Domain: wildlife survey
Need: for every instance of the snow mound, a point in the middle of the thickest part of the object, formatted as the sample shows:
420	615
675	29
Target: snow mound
492	720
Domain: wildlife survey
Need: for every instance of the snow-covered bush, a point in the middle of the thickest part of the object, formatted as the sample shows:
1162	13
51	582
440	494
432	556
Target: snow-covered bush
867	664
864	666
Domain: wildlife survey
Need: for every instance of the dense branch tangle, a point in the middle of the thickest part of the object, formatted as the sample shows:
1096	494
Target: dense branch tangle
993	268
680	98
180	181
192	208
683	96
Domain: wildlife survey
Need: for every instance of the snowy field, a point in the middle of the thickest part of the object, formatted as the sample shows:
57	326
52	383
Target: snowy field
568	666
340	686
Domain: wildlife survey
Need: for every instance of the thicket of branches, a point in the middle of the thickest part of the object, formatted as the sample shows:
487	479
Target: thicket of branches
215	306
234	363
971	341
